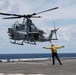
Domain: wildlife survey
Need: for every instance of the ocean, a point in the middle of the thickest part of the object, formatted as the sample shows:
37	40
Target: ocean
40	55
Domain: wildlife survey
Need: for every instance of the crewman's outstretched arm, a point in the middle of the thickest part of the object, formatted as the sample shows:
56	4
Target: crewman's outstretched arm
59	47
47	47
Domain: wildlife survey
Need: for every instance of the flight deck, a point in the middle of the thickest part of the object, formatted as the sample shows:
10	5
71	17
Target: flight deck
44	67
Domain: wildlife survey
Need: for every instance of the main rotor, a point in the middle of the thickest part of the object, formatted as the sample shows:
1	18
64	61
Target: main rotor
15	16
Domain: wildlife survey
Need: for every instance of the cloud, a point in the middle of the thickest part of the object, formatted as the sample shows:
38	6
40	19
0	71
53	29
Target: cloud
8	7
15	8
4	4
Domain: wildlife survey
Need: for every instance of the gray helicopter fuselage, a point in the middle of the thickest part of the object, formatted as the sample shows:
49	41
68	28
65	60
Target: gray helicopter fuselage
22	35
28	32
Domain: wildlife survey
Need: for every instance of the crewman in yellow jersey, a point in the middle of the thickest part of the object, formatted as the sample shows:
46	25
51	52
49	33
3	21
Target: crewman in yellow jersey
54	52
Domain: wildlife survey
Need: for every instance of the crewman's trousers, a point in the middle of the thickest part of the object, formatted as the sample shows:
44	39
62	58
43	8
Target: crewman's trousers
53	58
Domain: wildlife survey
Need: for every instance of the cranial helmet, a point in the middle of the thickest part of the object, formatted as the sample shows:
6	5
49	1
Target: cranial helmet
52	44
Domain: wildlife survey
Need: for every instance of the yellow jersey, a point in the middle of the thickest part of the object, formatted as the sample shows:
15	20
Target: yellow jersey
54	48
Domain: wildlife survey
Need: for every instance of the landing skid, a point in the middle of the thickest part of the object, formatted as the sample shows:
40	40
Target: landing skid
16	43
31	43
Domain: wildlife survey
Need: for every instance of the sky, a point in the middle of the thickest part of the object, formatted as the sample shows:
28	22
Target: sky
64	18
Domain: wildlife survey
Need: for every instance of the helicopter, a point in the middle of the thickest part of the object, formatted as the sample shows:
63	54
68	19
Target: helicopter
27	31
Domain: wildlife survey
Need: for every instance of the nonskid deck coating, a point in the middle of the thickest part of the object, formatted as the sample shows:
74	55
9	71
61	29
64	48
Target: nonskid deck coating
39	68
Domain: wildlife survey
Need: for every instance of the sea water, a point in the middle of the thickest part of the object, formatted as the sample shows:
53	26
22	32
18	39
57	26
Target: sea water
36	55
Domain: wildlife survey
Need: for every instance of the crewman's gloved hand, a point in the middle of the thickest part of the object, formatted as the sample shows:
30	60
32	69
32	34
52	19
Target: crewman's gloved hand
44	47
62	46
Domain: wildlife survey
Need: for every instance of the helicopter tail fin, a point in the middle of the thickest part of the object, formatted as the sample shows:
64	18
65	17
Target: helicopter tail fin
53	32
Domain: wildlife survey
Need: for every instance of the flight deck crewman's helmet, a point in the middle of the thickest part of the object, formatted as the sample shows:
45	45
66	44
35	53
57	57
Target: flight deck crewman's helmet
52	44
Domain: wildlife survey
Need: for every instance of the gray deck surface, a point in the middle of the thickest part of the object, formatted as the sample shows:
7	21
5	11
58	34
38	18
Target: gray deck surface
39	68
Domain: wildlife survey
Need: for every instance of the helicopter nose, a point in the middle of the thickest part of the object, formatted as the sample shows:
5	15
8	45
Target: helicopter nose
10	31
11	35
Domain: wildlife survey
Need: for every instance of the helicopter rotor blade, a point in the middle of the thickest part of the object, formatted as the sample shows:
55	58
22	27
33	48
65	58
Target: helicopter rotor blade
10	14
36	17
26	16
54	25
11	17
5	14
45	11
55	30
21	17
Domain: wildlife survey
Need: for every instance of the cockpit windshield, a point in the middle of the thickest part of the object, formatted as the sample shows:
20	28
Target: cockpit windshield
18	26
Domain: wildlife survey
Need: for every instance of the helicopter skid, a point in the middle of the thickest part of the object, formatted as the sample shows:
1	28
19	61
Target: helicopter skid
30	43
16	43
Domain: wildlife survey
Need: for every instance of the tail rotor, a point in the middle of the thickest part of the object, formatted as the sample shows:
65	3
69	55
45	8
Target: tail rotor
55	30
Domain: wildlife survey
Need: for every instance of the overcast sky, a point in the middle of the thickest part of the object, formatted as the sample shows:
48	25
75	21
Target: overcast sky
64	18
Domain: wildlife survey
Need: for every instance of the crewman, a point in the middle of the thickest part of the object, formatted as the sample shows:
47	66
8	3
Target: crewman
54	52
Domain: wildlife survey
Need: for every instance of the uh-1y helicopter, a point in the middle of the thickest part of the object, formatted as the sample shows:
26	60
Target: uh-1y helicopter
27	31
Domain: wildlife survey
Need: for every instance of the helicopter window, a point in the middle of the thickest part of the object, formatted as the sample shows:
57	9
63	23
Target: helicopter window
16	25
33	28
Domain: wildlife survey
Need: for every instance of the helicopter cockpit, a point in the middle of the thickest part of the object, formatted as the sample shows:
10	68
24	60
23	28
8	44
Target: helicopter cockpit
18	26
28	26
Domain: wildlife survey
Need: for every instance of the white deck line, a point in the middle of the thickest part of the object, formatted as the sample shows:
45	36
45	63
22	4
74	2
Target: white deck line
20	74
24	60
